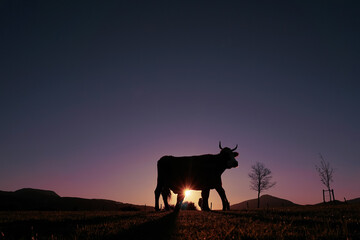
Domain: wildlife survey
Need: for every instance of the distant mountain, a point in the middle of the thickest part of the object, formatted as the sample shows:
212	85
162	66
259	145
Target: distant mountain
336	202
28	199
35	193
265	201
36	199
355	200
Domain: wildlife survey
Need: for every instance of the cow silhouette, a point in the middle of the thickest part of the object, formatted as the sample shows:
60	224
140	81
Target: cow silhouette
201	172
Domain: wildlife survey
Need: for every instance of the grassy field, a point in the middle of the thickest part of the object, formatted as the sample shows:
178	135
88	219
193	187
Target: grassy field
306	222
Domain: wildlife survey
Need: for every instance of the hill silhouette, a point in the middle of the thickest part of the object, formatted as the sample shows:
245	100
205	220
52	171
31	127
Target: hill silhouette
355	200
37	199
265	201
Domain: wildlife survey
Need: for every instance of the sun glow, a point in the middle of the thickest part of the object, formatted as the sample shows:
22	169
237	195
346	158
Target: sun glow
187	193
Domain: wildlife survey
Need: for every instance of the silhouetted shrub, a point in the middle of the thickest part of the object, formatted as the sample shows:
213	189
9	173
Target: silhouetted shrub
188	206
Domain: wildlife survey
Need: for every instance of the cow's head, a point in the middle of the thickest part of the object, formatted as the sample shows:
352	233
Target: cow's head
229	156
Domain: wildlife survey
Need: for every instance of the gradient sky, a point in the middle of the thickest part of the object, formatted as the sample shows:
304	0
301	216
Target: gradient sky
93	93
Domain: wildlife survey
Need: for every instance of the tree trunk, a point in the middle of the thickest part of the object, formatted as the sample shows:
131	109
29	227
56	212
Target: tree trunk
330	194
258	200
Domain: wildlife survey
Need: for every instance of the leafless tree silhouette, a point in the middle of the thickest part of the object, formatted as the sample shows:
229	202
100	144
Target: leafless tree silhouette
260	179
326	173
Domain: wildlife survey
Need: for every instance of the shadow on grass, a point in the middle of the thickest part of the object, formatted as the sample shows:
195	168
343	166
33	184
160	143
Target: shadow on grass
161	228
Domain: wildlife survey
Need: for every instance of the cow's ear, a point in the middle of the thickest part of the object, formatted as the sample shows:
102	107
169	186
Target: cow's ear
235	154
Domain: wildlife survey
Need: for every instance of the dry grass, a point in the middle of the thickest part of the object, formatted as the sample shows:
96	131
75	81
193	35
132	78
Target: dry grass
293	223
312	222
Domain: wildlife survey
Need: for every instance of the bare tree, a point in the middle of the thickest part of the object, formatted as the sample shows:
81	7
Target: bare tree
326	174
260	179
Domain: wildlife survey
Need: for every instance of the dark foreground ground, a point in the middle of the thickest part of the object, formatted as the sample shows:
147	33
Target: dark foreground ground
307	222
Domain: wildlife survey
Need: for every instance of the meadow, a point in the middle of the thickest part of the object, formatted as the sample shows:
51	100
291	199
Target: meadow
302	222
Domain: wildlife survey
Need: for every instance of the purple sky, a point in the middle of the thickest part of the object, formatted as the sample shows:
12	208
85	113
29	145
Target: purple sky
92	94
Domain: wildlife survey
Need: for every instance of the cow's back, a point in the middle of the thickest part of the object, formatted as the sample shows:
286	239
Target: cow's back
197	172
185	164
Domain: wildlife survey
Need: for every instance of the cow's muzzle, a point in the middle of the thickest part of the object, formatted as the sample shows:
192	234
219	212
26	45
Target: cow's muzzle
232	164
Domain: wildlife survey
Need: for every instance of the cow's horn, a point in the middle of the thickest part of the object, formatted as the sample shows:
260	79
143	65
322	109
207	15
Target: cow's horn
234	148
220	145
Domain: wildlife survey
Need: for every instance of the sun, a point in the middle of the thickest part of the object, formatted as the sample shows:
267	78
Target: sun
187	192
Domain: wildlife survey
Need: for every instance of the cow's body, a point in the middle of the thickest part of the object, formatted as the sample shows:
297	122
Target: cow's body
195	173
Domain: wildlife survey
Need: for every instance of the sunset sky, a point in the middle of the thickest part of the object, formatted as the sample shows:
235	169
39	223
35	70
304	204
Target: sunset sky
93	93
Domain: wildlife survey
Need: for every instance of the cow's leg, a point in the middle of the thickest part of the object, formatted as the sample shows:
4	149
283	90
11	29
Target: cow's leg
179	200
165	195
224	200
205	196
157	196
